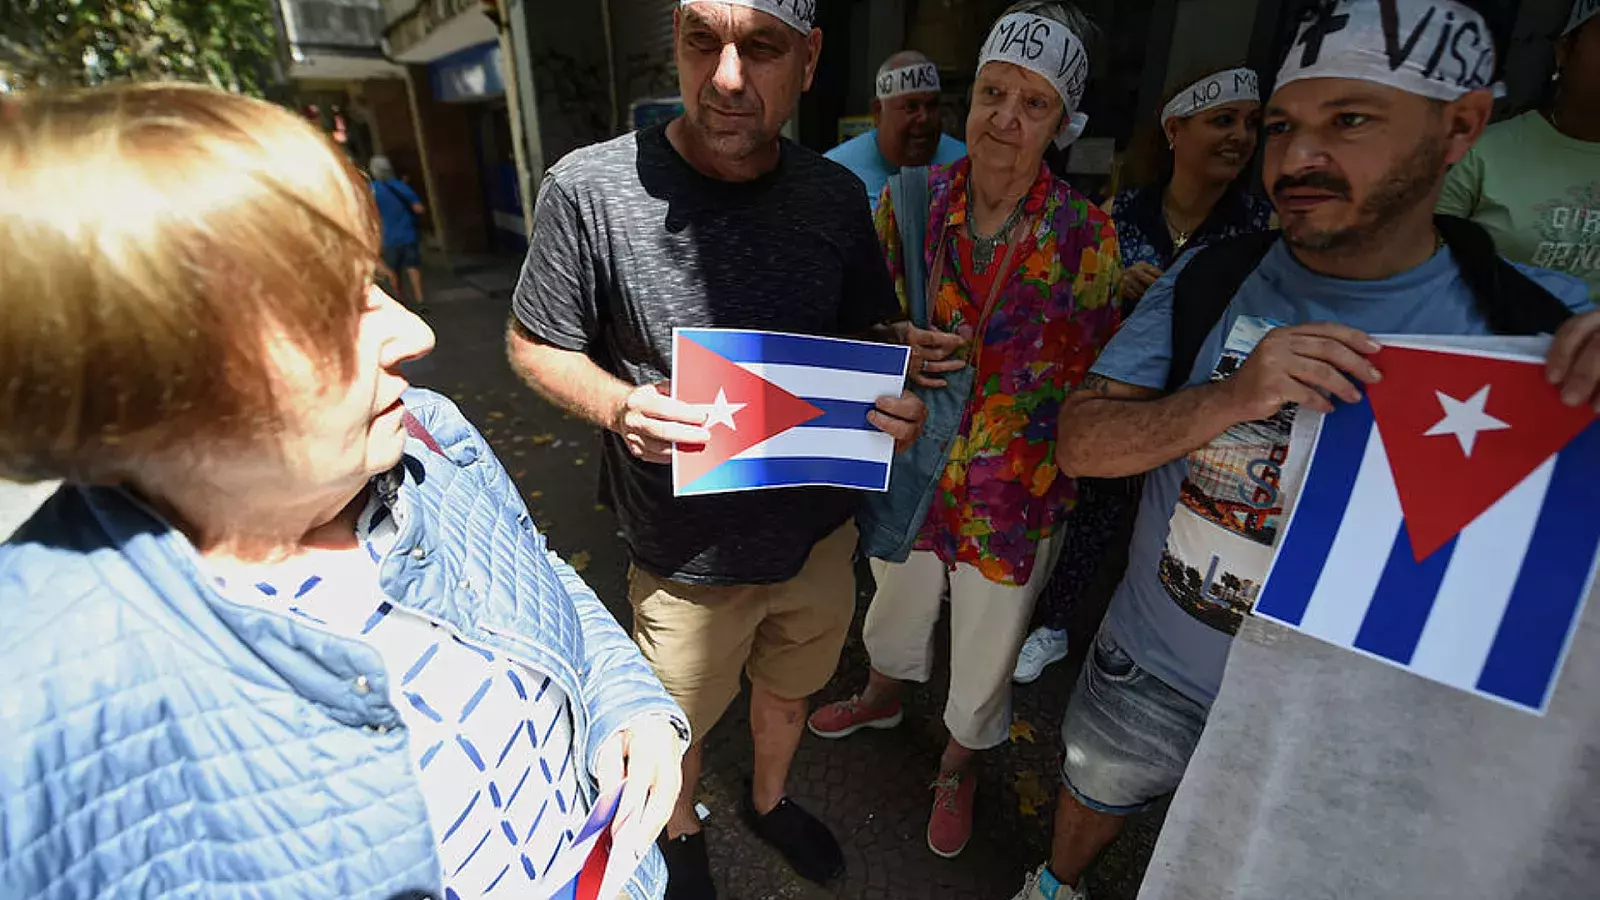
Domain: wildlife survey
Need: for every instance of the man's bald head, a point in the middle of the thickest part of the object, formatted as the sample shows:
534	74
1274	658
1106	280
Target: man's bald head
901	60
907	116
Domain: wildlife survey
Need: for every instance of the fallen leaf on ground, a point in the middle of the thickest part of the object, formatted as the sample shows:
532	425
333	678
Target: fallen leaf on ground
496	414
579	461
534	495
1031	795
521	472
540	440
579	561
599	507
1022	730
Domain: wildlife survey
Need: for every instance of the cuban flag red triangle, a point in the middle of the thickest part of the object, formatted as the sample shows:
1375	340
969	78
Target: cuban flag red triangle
1461	431
743	408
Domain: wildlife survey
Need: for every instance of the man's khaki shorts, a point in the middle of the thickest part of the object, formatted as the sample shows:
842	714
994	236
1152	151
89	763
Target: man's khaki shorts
786	636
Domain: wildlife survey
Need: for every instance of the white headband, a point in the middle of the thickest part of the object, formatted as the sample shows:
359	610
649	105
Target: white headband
797	14
1582	11
921	78
1212	91
1434	48
1048	49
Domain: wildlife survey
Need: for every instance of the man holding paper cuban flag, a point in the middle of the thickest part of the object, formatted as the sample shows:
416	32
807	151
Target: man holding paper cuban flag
1200	390
714	221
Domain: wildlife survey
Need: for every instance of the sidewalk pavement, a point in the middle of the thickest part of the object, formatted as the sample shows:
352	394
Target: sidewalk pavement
872	789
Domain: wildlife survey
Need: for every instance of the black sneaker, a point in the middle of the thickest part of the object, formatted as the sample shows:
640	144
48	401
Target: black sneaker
688	867
803	840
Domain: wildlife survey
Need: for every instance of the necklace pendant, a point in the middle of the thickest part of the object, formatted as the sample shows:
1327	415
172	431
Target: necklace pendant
982	255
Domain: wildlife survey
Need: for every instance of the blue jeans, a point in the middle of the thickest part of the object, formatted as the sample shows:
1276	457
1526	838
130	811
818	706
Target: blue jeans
1127	735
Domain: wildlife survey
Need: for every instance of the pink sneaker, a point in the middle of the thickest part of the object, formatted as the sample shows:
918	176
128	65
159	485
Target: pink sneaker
846	717
950	826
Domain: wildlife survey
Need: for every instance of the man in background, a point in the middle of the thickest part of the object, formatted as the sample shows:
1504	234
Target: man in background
714	220
398	207
905	111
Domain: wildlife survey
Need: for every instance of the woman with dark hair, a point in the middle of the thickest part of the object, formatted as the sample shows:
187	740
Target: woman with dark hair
1193	194
1534	180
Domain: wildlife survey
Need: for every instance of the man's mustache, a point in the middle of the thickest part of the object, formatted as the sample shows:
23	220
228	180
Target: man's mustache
1321	181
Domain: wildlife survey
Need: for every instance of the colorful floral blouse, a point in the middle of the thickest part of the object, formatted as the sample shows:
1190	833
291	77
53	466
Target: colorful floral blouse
1001	494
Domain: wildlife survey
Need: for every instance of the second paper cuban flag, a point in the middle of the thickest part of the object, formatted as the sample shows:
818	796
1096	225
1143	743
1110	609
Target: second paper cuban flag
783	410
1449	524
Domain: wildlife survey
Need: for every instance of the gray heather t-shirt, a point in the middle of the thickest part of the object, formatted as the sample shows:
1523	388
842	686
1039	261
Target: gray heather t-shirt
629	242
1326	775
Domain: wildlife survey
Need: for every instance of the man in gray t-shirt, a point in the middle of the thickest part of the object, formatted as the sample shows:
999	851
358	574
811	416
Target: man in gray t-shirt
714	220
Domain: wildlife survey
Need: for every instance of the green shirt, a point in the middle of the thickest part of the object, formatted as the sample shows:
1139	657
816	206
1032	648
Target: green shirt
1537	192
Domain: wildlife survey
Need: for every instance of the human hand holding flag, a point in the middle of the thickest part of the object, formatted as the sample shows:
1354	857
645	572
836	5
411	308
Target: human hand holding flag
650	421
1574	360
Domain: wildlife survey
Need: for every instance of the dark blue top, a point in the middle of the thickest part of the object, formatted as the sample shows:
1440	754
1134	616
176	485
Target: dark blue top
395	199
1142	226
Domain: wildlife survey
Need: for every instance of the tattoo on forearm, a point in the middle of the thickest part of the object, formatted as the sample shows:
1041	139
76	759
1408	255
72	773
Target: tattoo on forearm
1095	384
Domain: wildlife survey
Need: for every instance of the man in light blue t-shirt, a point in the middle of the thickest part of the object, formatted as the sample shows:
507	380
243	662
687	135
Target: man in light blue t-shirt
1355	151
906	113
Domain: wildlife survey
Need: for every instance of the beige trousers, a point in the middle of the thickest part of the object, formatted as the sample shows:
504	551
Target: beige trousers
988	623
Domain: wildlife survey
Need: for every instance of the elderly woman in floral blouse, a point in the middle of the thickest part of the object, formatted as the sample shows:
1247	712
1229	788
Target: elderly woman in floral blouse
1025	269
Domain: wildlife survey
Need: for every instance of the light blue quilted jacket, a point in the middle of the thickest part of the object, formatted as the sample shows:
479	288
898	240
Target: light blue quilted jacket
157	740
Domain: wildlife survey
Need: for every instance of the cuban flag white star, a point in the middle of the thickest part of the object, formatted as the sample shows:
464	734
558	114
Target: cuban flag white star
1465	419
721	412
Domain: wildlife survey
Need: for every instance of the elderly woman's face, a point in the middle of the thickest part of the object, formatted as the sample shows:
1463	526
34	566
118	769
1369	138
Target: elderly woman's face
1015	115
337	432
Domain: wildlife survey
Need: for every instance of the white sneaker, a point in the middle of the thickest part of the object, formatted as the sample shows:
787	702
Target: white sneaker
1043	647
1042	885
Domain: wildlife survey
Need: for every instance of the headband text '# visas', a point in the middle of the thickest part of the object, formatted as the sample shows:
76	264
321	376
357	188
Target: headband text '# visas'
797	14
1433	48
1050	50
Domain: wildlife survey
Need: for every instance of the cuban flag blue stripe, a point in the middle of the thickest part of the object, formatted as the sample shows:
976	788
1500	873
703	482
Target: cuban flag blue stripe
741	473
1403	600
787	349
1318	513
1549	587
840	414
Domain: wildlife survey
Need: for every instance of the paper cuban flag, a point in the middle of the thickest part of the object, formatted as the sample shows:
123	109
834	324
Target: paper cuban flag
784	410
1449	523
587	868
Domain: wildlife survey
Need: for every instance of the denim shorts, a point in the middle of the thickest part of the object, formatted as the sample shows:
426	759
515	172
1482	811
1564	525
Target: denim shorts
400	257
1127	736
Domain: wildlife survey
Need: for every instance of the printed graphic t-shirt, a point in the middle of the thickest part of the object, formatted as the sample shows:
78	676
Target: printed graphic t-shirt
1537	192
861	156
1208	523
629	242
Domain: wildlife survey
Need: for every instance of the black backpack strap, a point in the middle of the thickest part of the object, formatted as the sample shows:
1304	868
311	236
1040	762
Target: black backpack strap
1202	292
1510	301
